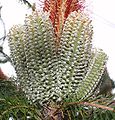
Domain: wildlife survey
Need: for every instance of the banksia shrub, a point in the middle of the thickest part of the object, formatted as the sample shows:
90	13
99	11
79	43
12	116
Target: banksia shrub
51	68
60	76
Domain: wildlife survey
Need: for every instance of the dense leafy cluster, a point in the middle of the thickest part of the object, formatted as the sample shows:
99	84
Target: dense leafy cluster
14	104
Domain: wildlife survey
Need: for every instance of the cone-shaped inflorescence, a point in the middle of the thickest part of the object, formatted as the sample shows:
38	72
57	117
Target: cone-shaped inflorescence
47	72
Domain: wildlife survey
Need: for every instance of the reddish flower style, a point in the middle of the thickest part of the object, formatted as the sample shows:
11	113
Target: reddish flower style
59	11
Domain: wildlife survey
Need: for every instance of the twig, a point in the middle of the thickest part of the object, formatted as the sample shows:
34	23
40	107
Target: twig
91	104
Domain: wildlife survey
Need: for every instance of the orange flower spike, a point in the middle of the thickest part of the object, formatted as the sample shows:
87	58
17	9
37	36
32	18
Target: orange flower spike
59	11
72	5
54	8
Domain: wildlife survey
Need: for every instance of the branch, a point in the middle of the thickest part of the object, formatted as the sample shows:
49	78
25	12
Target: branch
91	104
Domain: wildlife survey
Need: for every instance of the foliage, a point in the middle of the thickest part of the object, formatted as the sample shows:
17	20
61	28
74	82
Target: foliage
13	103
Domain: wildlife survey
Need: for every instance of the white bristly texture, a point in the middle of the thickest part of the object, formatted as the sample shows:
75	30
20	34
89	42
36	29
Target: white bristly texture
47	75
